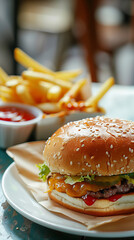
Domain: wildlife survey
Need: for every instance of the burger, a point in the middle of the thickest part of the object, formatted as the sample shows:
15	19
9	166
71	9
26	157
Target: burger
89	166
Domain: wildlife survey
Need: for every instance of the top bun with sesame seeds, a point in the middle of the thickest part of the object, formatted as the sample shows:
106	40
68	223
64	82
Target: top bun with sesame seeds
98	146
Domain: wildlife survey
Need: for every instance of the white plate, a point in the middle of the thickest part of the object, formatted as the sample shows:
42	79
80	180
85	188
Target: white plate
23	202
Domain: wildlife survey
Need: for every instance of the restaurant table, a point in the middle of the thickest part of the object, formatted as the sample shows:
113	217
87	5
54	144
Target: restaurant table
118	102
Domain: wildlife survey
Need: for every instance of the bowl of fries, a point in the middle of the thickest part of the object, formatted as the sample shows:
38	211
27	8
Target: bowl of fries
59	95
17	121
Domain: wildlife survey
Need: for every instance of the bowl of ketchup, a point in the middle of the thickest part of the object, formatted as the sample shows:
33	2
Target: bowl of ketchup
17	122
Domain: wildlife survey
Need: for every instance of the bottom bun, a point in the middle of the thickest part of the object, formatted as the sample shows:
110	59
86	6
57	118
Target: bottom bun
101	207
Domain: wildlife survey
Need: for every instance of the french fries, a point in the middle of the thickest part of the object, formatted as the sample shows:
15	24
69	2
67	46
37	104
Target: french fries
7	94
49	107
105	87
68	75
24	94
28	62
72	93
37	76
52	92
14	82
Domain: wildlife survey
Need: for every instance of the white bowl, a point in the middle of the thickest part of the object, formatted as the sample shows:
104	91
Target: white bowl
12	133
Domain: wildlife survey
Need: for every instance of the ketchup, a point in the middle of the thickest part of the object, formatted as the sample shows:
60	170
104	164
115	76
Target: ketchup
89	200
15	114
115	197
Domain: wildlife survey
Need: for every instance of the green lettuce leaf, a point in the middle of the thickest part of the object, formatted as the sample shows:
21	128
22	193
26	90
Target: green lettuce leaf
44	171
72	180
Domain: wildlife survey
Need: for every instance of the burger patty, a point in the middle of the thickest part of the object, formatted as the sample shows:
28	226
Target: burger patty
124	187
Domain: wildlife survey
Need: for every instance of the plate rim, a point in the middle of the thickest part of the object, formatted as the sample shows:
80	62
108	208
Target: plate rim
53	226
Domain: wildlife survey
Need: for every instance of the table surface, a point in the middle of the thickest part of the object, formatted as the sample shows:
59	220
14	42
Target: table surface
118	103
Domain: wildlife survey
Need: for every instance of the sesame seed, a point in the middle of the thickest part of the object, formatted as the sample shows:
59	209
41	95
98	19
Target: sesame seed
107	153
85	156
108	163
82	145
87	164
92	157
77	149
111	146
71	162
121	160
114	161
98	165
83	169
131	150
112	165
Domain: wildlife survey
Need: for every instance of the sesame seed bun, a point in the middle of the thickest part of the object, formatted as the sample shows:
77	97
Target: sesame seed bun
100	146
101	207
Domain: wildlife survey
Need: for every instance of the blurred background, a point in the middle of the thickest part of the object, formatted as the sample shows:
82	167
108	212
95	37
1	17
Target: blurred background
94	35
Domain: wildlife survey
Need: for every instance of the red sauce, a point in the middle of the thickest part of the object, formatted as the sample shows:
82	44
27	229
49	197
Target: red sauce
115	197
15	114
90	200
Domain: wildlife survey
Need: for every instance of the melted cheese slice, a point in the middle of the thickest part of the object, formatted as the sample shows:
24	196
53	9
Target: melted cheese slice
79	189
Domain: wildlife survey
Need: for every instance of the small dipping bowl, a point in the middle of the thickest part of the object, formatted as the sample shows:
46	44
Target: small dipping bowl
12	133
